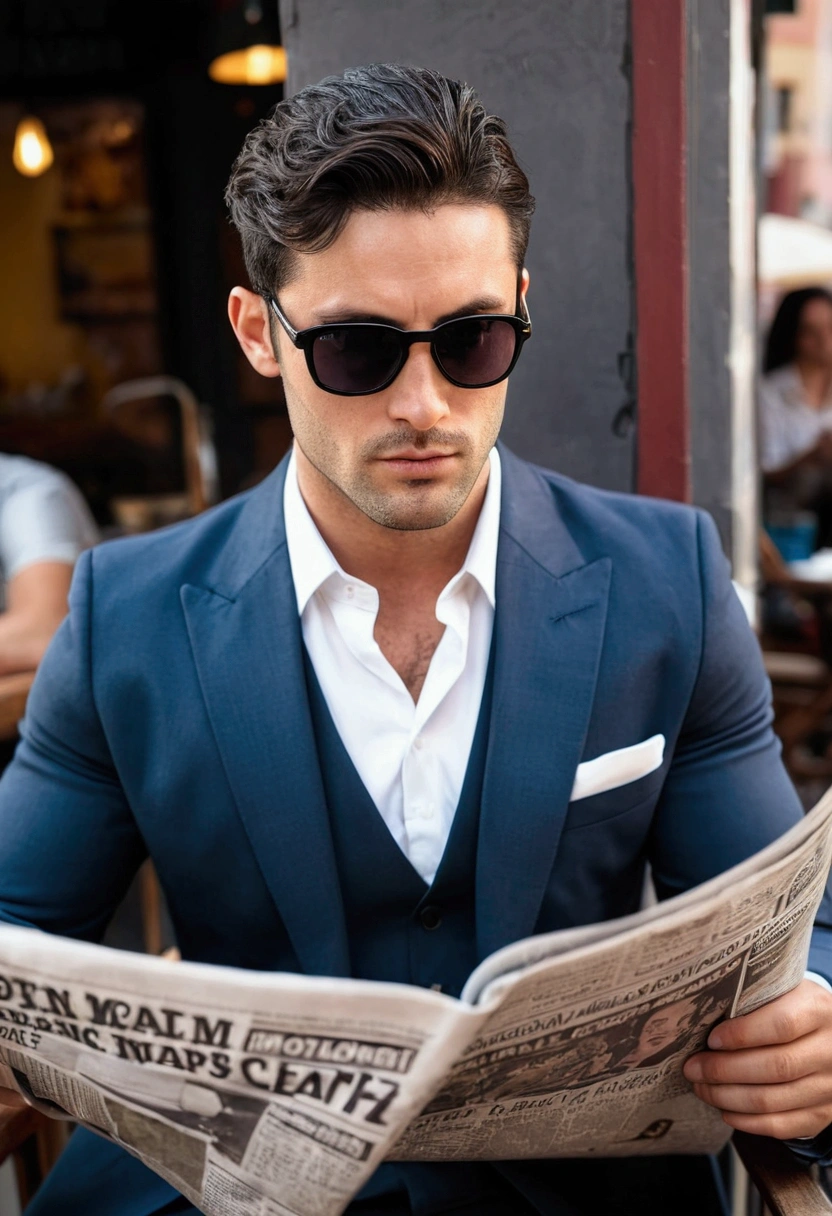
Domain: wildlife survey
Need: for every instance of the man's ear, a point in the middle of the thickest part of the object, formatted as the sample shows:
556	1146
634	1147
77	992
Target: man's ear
249	317
524	283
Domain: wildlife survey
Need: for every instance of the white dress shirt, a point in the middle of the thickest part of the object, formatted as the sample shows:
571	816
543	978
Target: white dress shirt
789	425
412	758
43	518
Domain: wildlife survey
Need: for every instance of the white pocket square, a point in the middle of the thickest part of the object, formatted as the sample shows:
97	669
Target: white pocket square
618	768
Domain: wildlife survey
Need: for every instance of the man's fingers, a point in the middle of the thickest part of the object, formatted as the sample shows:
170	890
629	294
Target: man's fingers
770	1072
788	1125
807	1094
799	1012
761	1065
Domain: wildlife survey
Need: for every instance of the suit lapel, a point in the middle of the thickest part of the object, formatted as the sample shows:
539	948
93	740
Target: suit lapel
549	630
246	641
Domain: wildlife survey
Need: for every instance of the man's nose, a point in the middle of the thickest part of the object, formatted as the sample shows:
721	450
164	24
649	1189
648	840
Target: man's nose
418	394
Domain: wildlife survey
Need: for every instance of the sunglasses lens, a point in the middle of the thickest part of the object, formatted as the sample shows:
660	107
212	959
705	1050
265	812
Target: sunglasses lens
356	360
476	351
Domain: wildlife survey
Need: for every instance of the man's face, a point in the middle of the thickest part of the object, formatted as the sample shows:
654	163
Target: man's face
408	456
665	1026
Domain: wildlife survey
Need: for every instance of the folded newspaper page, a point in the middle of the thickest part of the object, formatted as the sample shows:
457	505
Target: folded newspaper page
261	1094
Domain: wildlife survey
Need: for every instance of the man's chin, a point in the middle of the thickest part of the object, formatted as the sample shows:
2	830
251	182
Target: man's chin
402	514
411	522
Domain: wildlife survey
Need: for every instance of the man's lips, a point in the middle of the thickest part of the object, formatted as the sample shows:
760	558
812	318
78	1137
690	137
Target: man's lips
417	462
418	454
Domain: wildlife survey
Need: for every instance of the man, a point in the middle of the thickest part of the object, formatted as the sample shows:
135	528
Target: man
44	526
344	712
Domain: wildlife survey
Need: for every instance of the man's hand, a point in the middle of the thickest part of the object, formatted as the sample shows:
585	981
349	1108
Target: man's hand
770	1072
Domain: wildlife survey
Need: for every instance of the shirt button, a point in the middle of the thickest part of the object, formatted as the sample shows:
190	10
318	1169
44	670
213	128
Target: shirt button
350	590
428	811
418	743
431	917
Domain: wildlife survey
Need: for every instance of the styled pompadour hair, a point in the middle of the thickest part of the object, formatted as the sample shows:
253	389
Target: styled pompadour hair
381	137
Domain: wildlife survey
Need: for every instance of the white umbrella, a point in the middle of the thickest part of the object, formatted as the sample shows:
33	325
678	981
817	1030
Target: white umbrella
793	253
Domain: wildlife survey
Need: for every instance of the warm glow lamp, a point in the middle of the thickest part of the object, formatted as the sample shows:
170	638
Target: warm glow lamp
249	50
32	153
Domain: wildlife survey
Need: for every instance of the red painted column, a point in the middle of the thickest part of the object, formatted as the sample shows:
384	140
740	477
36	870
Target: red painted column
659	152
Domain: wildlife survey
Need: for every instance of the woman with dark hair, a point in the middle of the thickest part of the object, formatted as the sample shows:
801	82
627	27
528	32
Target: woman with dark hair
796	408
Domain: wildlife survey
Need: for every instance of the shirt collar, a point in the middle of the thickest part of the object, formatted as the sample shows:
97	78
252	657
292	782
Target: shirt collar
312	562
481	559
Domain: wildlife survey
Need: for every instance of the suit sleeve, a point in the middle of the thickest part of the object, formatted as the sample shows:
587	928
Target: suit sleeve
69	845
727	794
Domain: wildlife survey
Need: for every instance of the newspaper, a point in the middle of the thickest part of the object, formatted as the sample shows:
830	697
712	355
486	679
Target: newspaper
261	1094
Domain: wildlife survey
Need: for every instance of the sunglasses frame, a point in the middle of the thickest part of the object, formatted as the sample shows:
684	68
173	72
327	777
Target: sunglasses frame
304	339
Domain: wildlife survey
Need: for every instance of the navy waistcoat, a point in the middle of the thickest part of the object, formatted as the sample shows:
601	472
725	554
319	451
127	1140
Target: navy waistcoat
399	928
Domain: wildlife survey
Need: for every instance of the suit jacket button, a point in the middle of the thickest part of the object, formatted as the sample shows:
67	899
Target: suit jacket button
430	917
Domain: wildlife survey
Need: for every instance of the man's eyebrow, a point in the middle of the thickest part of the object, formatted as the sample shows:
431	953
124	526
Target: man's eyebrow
343	316
483	304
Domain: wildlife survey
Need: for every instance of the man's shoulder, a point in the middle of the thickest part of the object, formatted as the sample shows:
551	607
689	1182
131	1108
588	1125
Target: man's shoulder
608	522
19	473
598	503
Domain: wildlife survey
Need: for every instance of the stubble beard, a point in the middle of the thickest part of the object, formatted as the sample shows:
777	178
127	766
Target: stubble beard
417	505
407	511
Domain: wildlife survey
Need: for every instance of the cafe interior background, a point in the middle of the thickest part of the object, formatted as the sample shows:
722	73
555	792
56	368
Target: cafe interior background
118	127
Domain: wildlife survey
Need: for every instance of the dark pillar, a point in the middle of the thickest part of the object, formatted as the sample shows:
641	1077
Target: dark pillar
709	50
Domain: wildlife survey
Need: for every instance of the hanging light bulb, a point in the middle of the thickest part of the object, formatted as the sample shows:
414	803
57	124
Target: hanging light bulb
248	45
259	64
32	153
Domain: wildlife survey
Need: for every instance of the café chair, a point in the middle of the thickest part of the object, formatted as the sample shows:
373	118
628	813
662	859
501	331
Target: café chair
787	1188
801	681
199	458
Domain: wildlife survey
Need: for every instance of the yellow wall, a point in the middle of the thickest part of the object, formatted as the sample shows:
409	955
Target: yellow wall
795	67
34	344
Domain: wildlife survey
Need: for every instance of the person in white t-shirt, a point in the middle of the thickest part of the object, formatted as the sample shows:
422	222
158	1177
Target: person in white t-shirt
796	409
45	525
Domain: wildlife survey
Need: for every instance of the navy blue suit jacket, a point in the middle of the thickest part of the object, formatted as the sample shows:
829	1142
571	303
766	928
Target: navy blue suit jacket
169	717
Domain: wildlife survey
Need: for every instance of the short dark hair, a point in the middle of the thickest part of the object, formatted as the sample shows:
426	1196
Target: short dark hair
781	343
379	137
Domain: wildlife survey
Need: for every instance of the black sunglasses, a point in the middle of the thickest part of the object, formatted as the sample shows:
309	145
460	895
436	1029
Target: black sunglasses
356	358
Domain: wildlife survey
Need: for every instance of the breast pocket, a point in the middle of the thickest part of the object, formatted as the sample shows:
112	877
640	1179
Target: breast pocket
604	807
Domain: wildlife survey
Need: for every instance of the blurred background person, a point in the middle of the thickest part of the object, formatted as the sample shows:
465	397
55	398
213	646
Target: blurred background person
796	413
45	525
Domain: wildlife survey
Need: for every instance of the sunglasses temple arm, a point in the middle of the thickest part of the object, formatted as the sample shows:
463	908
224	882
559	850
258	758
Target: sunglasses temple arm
282	318
522	307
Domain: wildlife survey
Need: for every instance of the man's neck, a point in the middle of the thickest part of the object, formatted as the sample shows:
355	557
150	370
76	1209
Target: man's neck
389	559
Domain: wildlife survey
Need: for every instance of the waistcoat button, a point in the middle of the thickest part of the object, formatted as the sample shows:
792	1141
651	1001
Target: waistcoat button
430	917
